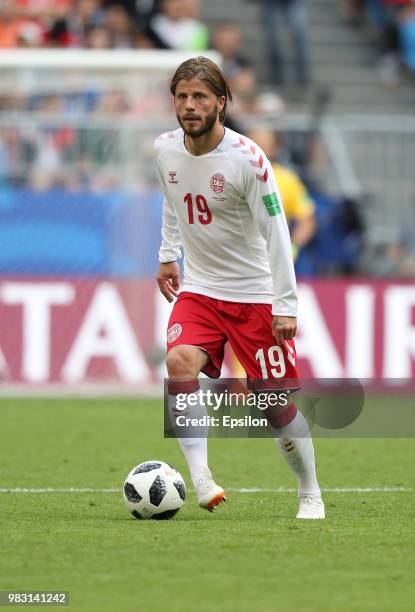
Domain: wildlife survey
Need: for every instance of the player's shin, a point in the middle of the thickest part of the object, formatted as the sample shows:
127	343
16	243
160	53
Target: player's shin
187	417
293	438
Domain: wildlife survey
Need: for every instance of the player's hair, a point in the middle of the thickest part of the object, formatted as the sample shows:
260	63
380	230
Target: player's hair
207	71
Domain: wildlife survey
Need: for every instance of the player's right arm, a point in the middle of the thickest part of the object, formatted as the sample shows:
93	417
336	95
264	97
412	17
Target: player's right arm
170	249
168	280
171	243
169	253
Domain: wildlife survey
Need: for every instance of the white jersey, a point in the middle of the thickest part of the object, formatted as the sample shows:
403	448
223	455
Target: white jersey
225	210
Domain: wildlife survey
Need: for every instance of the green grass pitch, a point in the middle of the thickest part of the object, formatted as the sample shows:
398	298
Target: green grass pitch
250	555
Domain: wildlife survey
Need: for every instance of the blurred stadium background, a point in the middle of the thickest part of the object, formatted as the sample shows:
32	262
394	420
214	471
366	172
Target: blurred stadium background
83	93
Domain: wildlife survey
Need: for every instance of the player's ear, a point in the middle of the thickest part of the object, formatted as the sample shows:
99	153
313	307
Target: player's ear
221	103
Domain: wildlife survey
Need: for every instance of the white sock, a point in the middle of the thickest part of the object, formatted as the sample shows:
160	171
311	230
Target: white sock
294	441
194	448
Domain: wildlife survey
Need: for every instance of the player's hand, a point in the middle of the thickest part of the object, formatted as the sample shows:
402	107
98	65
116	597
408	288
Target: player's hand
283	328
168	280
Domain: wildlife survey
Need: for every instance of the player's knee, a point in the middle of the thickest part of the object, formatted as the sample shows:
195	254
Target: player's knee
279	417
181	364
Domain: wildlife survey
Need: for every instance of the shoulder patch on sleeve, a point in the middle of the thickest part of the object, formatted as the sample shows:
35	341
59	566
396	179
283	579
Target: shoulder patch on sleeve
272	204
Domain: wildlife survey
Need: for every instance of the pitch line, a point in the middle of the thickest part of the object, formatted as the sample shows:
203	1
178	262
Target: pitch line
230	489
329	490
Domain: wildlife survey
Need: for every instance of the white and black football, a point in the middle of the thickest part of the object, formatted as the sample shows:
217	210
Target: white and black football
154	490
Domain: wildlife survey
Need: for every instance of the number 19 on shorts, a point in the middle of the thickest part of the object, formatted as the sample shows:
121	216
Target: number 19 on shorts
271	362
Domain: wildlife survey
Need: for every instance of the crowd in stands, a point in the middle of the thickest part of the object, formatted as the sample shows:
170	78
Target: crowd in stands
52	155
160	24
102	24
393	22
394	257
291	13
76	159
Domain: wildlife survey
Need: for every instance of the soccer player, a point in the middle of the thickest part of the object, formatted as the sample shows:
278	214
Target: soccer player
221	204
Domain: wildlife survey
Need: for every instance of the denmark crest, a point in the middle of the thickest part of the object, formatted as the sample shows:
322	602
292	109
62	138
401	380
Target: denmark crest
217	183
174	332
173	176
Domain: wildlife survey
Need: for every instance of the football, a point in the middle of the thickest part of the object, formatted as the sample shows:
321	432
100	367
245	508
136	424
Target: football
154	490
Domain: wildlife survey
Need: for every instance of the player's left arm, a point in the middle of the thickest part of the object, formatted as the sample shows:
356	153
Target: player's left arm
262	195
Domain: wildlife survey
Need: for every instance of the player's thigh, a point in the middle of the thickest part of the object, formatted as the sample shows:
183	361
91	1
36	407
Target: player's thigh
257	350
271	368
195	341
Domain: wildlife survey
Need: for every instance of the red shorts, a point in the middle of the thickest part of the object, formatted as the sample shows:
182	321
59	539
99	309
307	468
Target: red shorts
209	323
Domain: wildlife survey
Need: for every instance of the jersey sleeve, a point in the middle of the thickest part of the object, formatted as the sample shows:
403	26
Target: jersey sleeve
170	249
262	196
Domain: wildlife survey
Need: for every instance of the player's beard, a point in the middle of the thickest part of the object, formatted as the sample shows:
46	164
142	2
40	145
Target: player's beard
206	127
